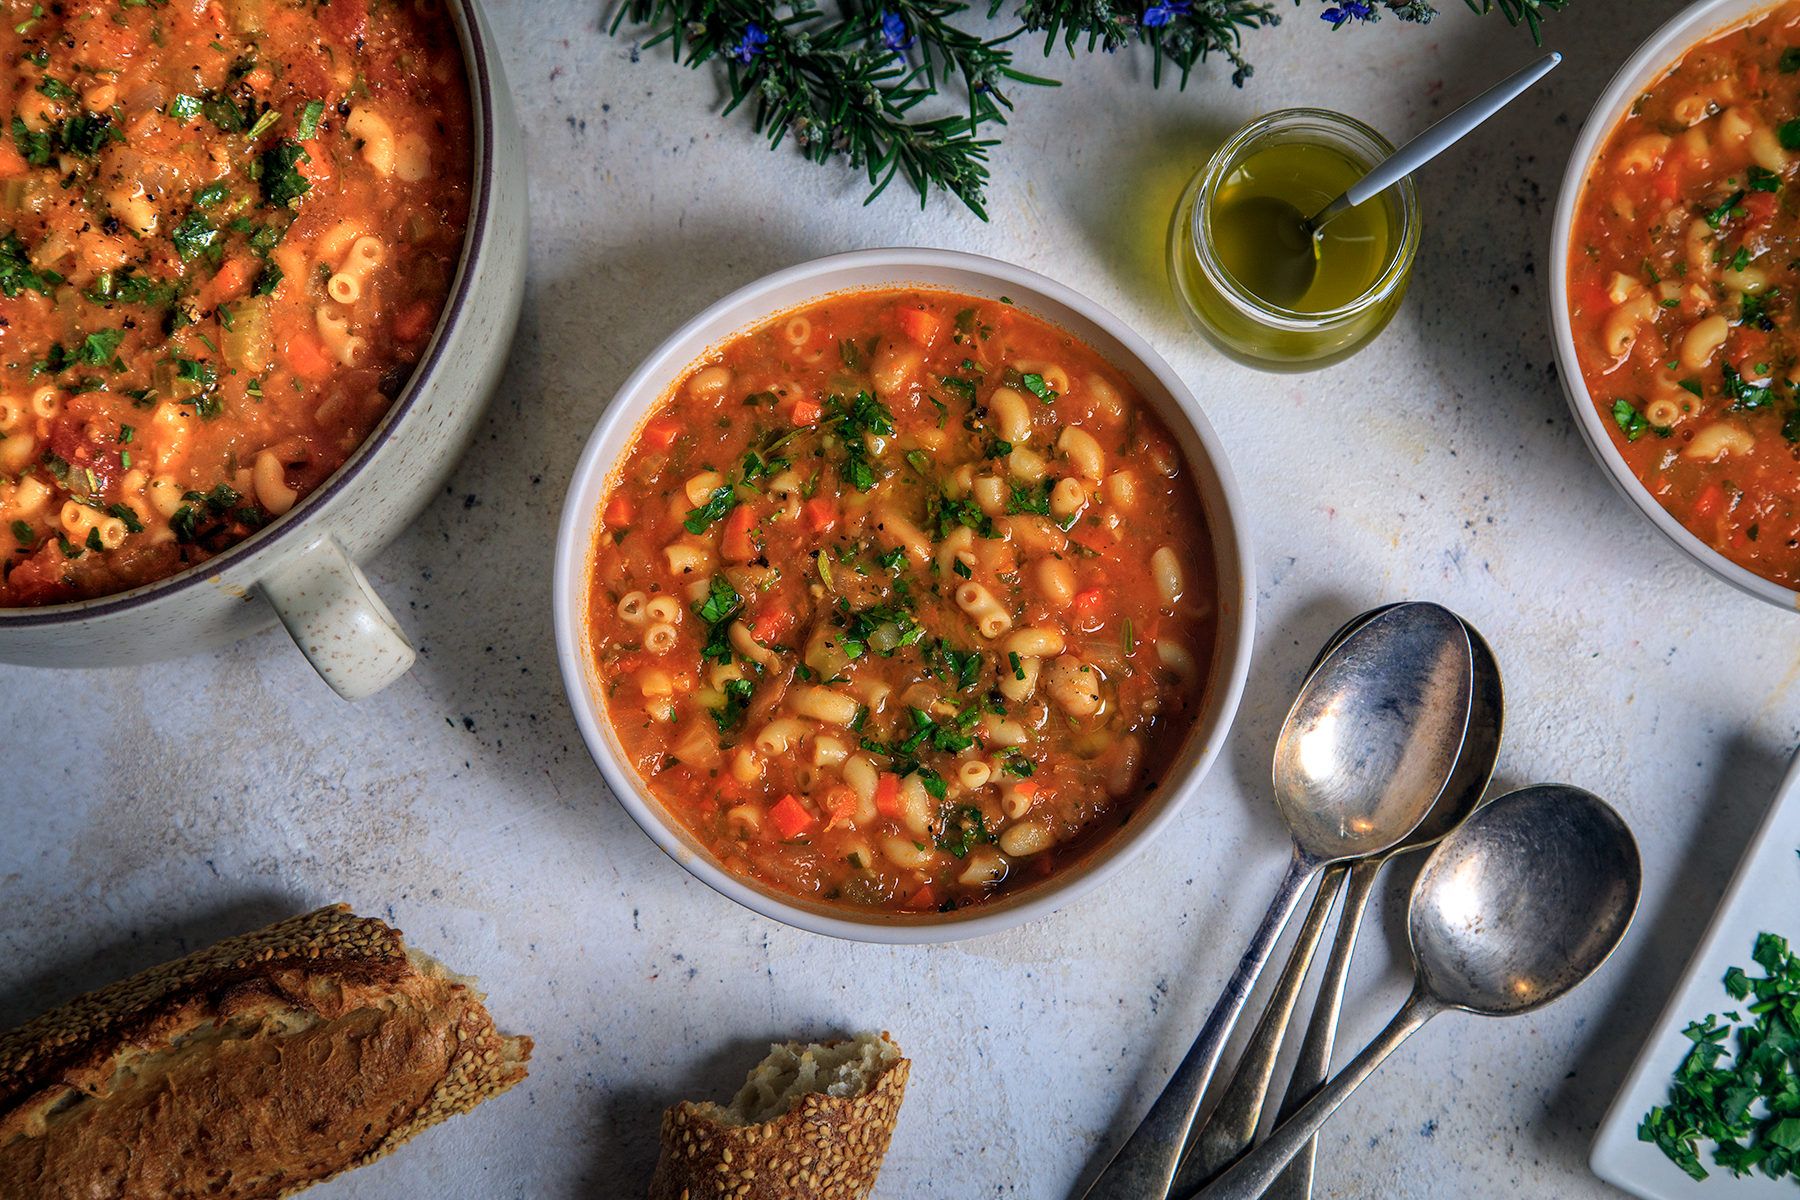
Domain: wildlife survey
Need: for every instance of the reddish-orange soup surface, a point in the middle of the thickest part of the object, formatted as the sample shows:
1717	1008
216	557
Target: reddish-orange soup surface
227	231
1684	266
903	601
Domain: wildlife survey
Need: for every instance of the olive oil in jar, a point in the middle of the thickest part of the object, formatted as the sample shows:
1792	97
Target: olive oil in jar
1351	250
1224	231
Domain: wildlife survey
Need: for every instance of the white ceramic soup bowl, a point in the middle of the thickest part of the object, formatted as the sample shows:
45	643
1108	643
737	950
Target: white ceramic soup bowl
1654	59
302	569
942	270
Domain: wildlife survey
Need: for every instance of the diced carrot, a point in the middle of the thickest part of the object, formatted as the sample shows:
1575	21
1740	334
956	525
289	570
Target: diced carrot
790	818
619	510
807	412
230	281
923	898
306	355
821	511
887	794
1088	601
1759	207
1710	501
920	325
841	804
735	543
660	435
12	164
1026	788
769	624
414	321
1666	184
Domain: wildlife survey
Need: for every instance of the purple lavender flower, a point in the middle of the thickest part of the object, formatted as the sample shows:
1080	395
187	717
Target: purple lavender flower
1349	10
752	45
1162	12
893	31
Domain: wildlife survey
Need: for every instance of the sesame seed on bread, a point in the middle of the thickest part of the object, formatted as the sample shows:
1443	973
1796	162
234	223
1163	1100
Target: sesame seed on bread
812	1122
253	1069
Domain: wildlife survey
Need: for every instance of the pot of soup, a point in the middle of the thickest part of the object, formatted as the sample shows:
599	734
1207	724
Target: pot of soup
1675	293
904	595
256	287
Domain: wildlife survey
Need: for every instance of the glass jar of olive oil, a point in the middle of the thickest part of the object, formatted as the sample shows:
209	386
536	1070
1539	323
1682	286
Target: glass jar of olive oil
1221	243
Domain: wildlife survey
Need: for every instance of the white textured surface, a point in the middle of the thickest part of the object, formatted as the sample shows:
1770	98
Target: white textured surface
150	810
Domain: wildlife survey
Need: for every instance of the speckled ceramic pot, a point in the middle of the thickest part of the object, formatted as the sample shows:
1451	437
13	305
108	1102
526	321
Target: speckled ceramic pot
944	270
302	569
1697	23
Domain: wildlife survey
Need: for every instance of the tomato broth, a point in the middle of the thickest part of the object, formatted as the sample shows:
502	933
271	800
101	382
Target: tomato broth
902	601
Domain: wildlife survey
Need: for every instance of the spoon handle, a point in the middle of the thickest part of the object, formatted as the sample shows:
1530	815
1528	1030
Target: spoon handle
1313	1066
1251	1176
1145	1165
1438	137
1232	1125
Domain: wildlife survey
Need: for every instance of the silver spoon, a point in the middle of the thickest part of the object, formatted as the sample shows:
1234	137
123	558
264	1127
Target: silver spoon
1513	909
1232	1125
1481	749
1368	745
1291	238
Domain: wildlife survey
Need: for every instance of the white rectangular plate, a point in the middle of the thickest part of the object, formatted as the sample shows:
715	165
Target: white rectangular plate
1764	896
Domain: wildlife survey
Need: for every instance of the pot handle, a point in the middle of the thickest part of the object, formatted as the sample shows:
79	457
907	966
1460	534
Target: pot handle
337	620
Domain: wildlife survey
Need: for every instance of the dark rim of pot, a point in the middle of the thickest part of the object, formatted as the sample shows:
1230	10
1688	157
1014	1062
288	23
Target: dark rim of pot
481	91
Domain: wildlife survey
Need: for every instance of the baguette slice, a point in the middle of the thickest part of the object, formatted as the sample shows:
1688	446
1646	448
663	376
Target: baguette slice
812	1122
256	1068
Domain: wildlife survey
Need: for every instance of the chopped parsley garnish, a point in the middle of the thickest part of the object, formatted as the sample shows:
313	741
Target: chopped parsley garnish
961	568
946	514
279	170
268	281
1744	394
212	194
1731	208
1690	385
1789	135
962	389
309	120
101	349
962	668
17	273
128	515
183	522
222	497
93	539
1018	668
1629	419
126	287
737	699
893	560
1747	1103
56	89
1754	310
183	108
223	112
193	236
964	829
1789	62
1034	499
919	461
1013	761
21	532
722	600
1036	386
722	501
856	420
1741	259
1761	179
69	549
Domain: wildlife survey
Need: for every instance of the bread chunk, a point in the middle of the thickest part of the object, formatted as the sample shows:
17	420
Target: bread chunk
251	1070
812	1122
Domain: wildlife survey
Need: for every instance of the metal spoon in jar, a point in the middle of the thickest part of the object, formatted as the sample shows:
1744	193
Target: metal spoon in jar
1512	910
1367	747
1291	239
1232	1125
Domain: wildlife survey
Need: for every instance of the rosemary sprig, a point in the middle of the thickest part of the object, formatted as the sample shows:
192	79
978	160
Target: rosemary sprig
850	85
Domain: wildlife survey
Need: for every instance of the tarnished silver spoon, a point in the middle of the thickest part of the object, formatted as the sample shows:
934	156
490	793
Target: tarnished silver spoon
1232	1124
1513	909
1367	747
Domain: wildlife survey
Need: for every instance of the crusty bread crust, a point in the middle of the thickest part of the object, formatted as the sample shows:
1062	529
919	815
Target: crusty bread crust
824	1148
251	1070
